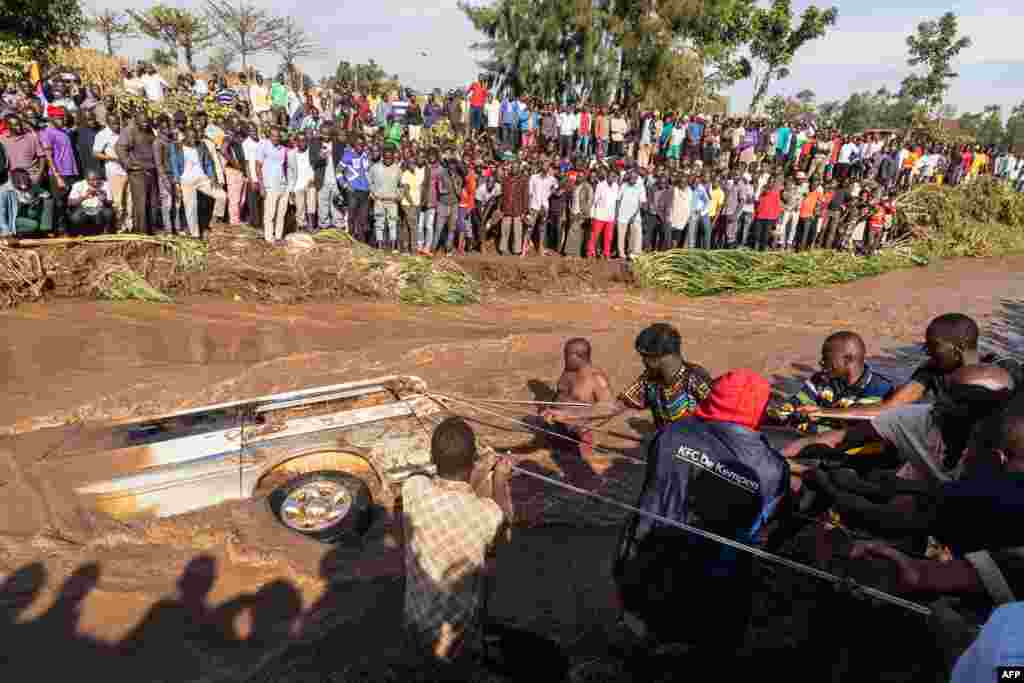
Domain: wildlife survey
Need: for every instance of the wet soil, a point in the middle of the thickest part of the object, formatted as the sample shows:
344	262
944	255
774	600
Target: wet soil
84	592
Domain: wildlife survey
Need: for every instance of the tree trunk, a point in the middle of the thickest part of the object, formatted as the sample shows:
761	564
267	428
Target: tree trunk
110	44
188	58
760	88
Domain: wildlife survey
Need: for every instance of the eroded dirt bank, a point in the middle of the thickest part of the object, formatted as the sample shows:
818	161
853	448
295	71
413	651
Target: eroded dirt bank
73	360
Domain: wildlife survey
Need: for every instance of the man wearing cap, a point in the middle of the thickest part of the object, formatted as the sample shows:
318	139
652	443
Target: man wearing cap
63	165
714	471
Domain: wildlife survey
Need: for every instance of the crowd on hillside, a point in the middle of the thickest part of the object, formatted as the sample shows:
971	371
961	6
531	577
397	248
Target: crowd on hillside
453	173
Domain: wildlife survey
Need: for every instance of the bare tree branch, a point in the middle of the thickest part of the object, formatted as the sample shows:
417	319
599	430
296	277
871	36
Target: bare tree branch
112	26
247	29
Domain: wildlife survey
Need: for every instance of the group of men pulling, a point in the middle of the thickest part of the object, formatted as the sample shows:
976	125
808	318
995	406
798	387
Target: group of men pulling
946	474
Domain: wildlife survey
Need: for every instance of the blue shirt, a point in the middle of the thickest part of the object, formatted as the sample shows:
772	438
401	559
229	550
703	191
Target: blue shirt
1000	644
524	117
694	130
275	172
699	200
509	113
357	168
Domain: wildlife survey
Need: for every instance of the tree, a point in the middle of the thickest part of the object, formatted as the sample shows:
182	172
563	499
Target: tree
221	60
805	97
935	45
174	28
1015	128
293	44
775	40
986	126
42	27
248	29
359	75
113	27
162	58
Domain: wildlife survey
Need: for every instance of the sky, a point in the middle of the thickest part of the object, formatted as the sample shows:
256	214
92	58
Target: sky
864	51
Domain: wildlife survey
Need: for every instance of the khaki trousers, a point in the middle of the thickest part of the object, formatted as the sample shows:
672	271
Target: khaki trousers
275	206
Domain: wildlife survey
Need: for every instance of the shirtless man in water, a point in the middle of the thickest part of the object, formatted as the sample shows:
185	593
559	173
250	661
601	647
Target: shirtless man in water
580	382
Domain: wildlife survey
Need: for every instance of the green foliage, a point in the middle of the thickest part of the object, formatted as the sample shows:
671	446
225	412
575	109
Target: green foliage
775	40
361	76
39	28
160	57
986	126
865	110
934	46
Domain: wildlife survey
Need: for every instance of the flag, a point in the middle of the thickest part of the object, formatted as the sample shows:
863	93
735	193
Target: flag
42	98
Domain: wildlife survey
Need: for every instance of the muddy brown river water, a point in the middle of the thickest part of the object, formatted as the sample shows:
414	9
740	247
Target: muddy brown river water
69	361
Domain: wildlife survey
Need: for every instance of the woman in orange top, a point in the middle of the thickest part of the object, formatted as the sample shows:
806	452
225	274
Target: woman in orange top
467	202
806	227
880	213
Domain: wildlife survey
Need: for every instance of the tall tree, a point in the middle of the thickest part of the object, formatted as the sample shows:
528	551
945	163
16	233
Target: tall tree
248	29
805	97
986	125
221	60
293	44
1015	128
162	58
934	46
175	28
775	40
112	26
41	27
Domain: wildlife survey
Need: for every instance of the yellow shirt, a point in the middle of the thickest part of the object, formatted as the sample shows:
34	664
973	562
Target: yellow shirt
717	199
414	181
979	162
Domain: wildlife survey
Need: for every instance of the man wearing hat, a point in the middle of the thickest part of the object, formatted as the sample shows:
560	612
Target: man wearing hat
63	165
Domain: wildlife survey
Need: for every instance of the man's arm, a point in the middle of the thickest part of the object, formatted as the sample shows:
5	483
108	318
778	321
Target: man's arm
908	393
917	575
855	435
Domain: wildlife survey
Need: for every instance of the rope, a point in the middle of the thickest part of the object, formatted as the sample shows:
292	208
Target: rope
442	397
840	582
522	403
807	518
756	552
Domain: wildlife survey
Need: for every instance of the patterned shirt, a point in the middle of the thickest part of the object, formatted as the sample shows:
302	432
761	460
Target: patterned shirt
825	392
448	532
673	401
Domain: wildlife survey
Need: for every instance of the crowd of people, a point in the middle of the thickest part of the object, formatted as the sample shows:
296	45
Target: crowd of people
946	472
452	174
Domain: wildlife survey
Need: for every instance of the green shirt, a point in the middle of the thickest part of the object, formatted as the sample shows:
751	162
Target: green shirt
394	134
279	95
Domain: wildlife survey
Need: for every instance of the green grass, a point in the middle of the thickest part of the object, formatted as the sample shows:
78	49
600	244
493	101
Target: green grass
984	218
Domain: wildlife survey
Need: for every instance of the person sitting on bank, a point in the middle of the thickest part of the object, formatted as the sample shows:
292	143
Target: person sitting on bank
844	380
714	471
91	204
452	524
35	204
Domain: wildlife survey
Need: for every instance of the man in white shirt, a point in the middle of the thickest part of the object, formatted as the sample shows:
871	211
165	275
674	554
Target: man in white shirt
103	148
154	85
253	198
542	185
305	187
602	214
90	204
568	123
632	198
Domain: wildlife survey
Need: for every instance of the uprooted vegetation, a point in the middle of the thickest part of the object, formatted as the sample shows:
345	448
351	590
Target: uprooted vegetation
236	262
984	218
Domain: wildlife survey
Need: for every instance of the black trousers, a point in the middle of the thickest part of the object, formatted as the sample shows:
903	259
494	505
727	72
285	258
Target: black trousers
806	231
79	220
145	194
359	213
763	233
